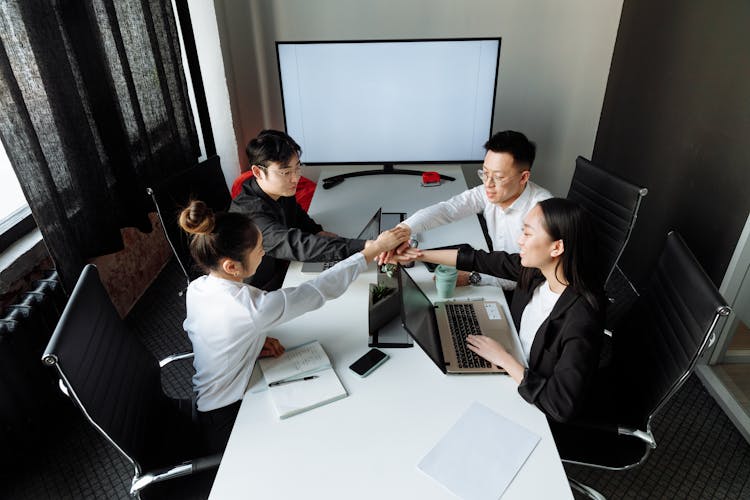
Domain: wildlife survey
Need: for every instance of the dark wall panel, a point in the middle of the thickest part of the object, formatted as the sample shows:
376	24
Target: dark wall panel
676	119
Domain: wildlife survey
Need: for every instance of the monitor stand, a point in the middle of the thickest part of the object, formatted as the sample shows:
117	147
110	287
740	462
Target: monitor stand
392	334
332	181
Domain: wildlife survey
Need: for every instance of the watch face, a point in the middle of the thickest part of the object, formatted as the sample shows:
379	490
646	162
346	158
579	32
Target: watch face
475	278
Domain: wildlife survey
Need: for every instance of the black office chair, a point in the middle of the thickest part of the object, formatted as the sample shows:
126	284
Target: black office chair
613	204
115	382
656	348
204	181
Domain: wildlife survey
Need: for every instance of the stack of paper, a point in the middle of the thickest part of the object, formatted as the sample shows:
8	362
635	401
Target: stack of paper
480	455
301	379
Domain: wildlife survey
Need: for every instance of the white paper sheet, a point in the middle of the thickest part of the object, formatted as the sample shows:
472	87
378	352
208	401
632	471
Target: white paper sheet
480	455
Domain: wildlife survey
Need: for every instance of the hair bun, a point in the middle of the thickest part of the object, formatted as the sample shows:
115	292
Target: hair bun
197	218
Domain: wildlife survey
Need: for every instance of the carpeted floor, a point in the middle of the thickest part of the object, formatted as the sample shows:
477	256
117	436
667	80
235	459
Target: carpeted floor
699	455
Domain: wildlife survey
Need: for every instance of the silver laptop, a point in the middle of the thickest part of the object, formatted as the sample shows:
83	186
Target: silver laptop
369	232
441	329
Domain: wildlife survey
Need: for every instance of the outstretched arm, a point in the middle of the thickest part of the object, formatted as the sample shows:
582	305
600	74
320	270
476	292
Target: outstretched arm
292	243
445	257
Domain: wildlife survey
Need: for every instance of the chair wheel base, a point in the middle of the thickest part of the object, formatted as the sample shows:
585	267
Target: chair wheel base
588	491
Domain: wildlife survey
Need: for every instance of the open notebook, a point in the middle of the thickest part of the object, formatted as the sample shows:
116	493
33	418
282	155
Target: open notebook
301	379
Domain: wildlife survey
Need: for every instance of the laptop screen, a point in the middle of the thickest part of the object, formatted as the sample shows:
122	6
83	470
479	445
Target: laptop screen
372	229
418	317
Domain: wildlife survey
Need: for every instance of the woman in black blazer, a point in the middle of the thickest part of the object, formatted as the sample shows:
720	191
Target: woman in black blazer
557	307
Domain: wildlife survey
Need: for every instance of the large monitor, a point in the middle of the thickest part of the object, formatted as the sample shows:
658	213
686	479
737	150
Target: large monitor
389	101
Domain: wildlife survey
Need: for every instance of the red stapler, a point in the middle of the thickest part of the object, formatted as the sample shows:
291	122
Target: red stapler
430	179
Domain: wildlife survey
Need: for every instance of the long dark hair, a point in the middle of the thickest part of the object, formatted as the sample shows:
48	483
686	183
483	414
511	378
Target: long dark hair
217	236
566	220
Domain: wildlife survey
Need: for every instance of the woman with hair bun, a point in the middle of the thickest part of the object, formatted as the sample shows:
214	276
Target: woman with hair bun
227	320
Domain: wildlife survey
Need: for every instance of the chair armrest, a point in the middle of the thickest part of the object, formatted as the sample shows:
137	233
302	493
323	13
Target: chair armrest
590	425
184	469
175	357
205	463
587	425
644	436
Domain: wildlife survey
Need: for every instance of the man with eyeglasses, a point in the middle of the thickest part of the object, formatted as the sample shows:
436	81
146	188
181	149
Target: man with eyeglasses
504	199
268	198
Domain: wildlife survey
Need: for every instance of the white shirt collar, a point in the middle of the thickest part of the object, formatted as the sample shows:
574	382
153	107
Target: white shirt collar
522	200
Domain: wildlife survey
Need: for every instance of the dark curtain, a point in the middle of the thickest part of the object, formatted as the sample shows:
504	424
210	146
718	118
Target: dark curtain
93	108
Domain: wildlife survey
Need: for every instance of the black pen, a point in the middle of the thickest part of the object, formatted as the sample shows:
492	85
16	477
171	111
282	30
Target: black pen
282	382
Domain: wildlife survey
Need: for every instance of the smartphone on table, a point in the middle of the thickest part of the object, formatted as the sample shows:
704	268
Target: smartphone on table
368	362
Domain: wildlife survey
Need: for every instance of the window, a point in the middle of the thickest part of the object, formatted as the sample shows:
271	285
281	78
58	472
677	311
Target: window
11	197
15	216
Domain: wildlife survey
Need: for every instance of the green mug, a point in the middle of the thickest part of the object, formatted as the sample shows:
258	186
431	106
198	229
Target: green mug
445	281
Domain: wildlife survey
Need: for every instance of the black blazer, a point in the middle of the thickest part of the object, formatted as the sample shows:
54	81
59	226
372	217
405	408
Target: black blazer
288	234
565	352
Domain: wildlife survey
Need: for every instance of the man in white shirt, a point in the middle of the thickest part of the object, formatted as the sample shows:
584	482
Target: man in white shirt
504	198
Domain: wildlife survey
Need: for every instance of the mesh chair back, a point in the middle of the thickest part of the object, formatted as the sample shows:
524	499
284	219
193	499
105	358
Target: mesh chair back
111	376
658	344
613	204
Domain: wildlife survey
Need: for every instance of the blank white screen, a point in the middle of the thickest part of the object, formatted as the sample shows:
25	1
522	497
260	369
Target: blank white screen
389	102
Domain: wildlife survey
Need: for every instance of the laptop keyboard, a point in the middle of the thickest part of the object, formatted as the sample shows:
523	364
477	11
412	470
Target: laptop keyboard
328	265
463	321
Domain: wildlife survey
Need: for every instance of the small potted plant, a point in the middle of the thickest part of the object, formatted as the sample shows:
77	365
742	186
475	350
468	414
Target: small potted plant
387	275
384	305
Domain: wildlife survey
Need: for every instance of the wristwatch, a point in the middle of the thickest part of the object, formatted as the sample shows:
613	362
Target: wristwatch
475	278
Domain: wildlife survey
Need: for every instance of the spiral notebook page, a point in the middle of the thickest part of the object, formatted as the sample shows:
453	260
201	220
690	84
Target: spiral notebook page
305	359
463	462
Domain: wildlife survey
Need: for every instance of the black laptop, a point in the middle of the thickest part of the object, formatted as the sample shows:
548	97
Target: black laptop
369	232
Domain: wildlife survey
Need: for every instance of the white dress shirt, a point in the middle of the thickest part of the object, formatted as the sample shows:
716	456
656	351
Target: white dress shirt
536	311
503	225
227	323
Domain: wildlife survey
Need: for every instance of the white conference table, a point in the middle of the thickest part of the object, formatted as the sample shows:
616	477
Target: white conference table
367	445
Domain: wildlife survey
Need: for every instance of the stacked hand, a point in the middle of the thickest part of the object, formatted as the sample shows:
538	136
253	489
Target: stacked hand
397	255
401	255
387	241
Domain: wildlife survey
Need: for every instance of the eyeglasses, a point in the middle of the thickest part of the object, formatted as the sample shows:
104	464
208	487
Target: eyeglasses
288	172
496	178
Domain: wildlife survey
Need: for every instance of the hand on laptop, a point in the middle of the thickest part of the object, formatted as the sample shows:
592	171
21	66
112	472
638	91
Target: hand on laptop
492	351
